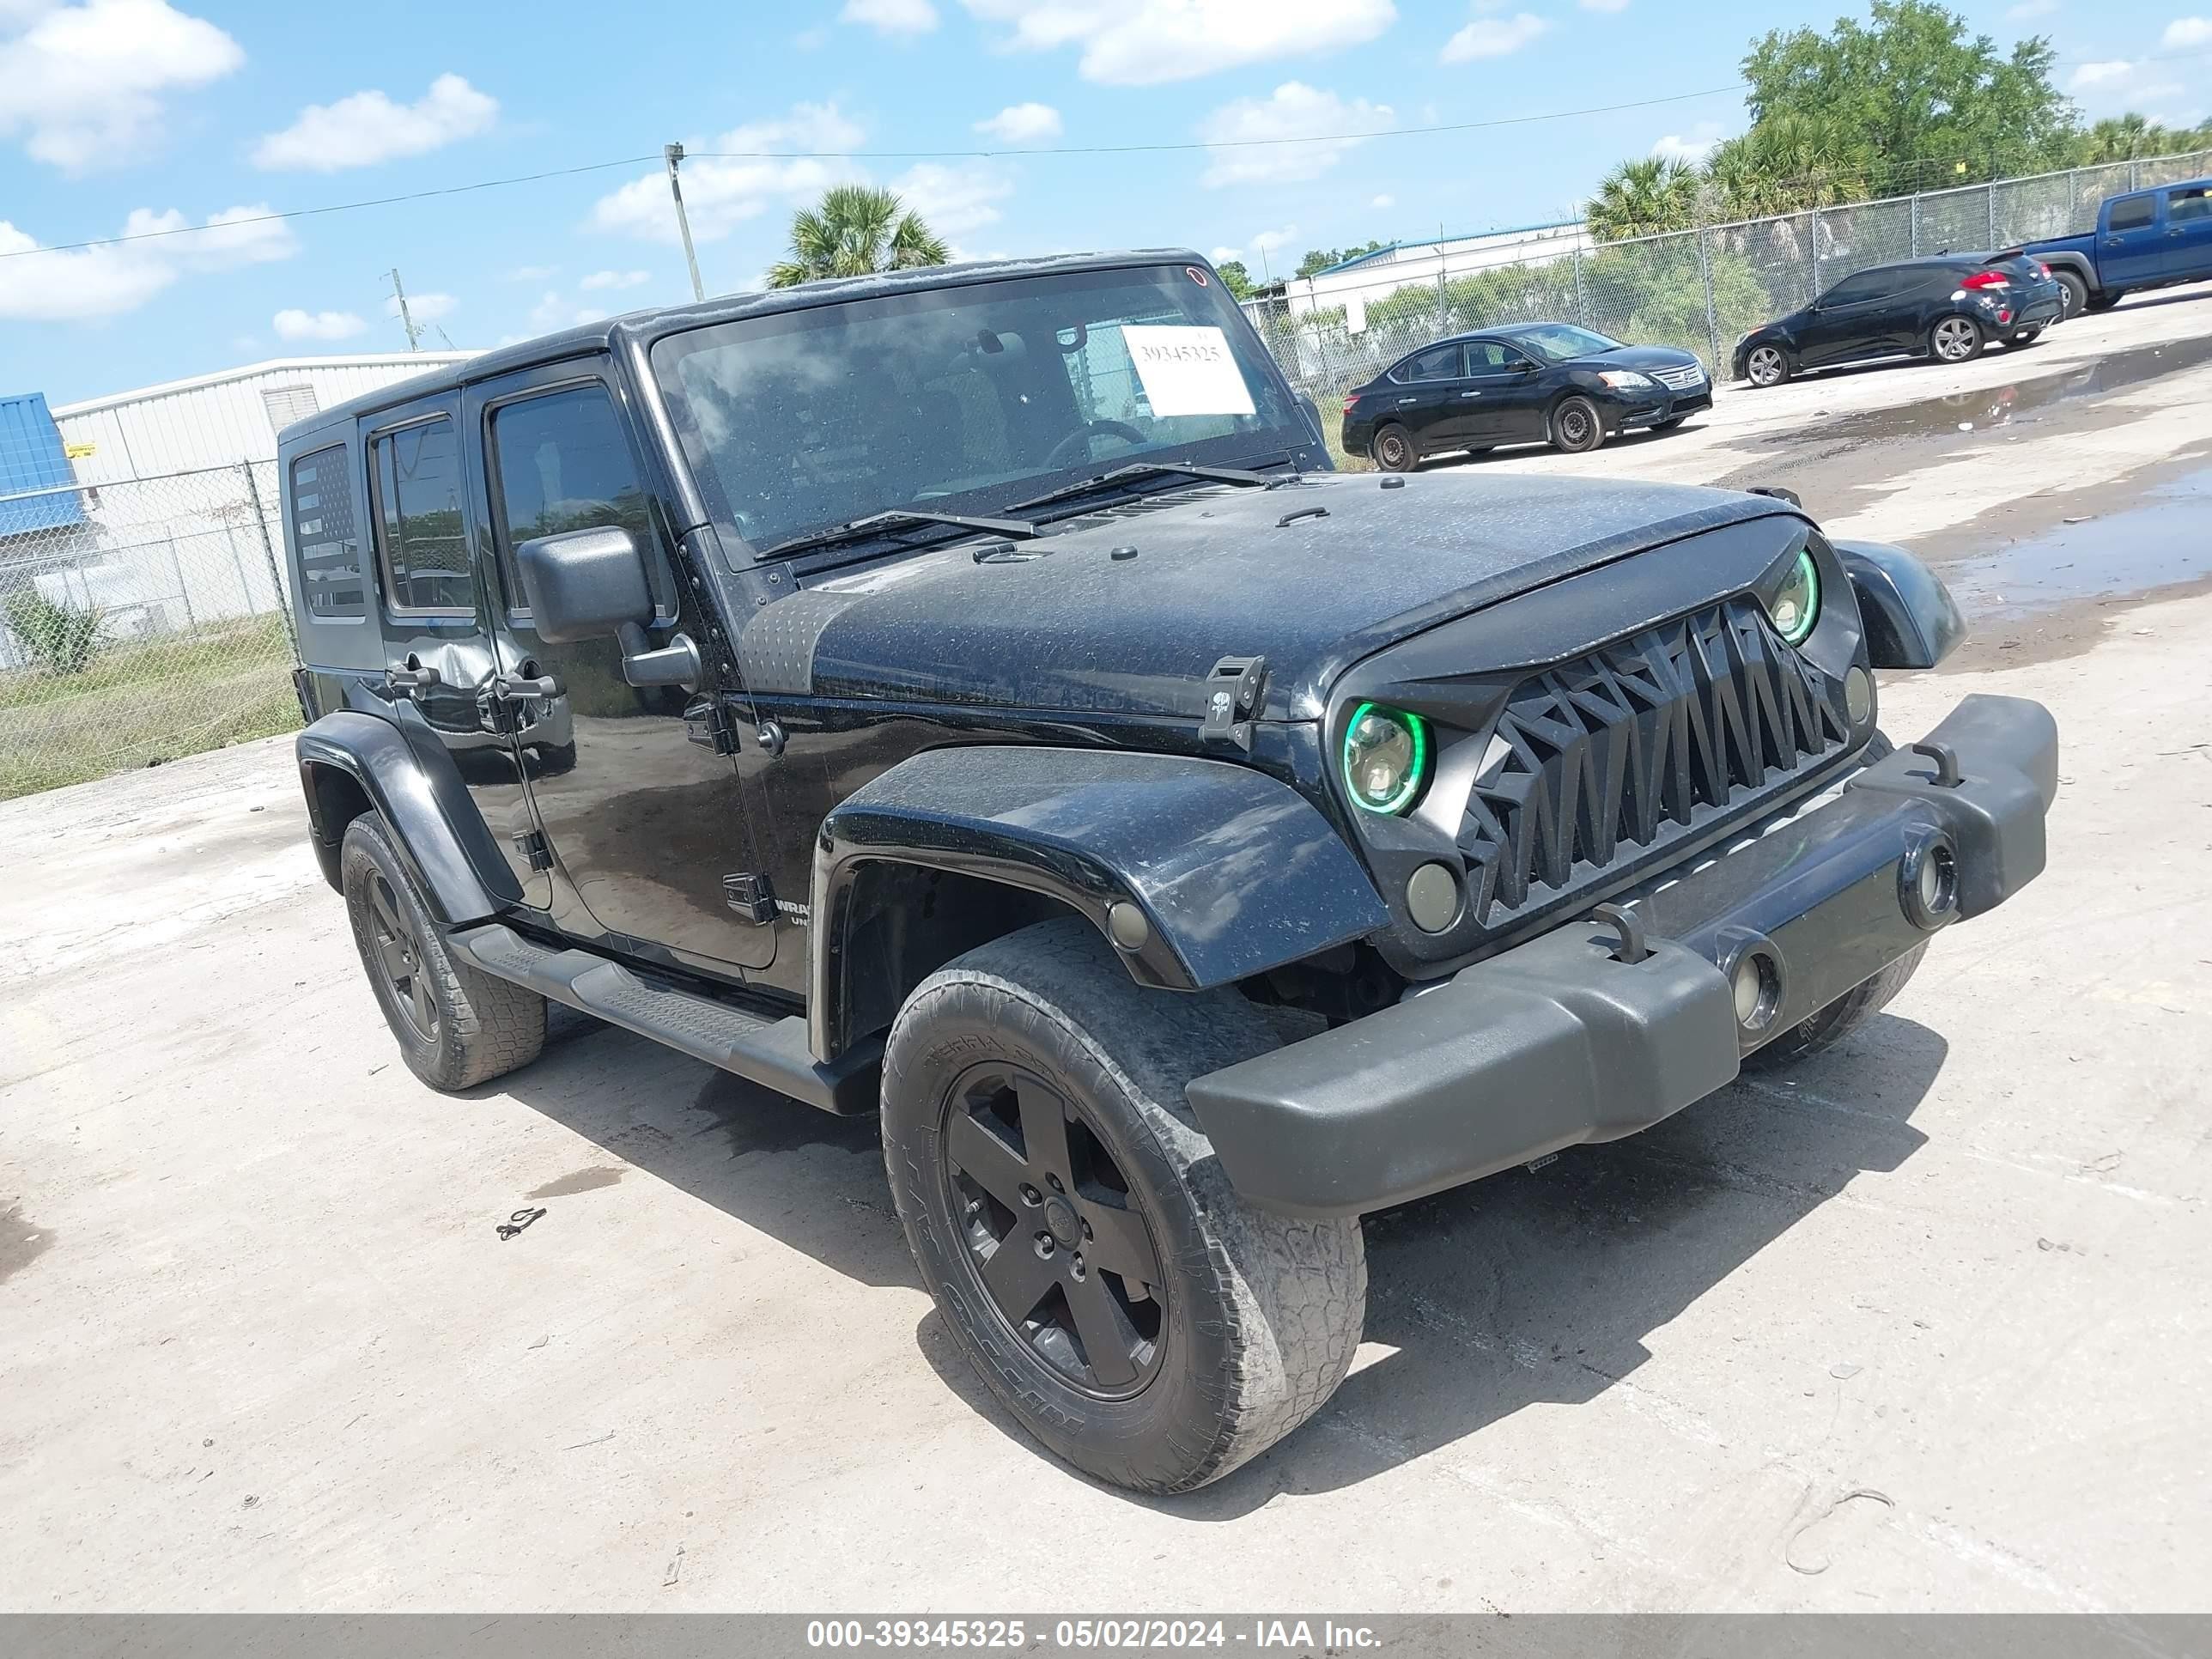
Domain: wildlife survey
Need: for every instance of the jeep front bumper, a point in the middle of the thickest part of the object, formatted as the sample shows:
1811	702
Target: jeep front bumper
1561	1041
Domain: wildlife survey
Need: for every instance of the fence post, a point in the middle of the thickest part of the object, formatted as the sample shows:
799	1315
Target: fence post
1712	316
1989	195
1913	213
269	552
1812	254
1582	299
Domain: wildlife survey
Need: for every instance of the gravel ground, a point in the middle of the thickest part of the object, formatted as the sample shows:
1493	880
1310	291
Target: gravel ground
1925	1325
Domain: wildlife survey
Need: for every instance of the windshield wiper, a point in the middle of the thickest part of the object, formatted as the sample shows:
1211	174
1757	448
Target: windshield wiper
1234	475
897	519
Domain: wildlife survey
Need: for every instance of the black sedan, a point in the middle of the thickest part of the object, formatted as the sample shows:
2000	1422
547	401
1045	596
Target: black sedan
1947	308
1533	383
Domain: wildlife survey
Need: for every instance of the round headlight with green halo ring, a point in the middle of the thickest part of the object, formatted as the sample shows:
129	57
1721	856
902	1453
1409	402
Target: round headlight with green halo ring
1795	606
1385	758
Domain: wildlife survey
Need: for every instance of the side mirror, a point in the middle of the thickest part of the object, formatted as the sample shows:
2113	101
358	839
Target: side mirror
1522	366
1313	418
586	584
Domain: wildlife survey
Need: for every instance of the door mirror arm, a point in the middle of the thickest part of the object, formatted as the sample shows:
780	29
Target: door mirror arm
675	663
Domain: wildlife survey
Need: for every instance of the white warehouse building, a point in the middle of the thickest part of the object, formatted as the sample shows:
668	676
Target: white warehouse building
1358	282
177	523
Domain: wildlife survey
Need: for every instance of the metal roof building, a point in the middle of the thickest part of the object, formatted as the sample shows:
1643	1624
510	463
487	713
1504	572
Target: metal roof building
221	419
32	459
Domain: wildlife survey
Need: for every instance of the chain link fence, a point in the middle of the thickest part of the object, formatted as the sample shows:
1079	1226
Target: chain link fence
1698	290
141	621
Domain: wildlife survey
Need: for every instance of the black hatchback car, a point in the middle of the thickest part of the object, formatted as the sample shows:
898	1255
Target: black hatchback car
1533	383
1947	308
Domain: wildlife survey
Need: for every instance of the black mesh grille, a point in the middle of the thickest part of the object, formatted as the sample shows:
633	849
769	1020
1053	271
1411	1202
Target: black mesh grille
1599	760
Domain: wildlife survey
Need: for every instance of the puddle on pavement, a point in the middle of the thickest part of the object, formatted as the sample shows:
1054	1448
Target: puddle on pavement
2018	400
2166	540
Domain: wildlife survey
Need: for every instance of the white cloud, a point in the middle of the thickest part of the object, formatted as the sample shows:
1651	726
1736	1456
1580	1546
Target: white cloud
1266	241
1145	42
599	279
83	83
1293	111
2117	84
297	324
2028	10
1022	124
531	273
553	311
2183	33
1493	37
424	307
1384	202
955	201
104	282
722	193
1605	5
1222	256
366	128
1692	146
892	16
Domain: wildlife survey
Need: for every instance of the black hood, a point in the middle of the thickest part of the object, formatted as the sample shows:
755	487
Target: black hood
1063	623
1639	357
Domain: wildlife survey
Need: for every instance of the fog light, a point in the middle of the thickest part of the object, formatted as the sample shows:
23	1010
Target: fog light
1758	990
1432	898
1927	882
1858	695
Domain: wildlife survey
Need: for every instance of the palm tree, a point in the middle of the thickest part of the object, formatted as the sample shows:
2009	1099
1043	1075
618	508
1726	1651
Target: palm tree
2125	138
1645	197
856	230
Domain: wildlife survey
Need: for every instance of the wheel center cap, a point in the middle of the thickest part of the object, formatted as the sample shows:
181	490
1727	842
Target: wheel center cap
1060	1216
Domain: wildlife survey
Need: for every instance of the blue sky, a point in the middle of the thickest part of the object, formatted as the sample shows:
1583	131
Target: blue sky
121	115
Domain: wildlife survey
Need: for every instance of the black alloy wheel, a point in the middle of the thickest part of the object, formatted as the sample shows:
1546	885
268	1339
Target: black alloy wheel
399	955
1053	1233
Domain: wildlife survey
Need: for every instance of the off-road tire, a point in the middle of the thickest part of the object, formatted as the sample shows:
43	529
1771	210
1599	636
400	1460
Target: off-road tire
484	1027
1832	1023
1577	426
1393	448
1949	328
1263	1311
2104	298
2075	292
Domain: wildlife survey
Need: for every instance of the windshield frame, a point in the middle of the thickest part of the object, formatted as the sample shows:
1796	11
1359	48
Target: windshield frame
1298	447
1520	339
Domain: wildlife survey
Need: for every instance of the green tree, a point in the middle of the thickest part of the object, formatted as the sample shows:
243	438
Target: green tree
856	230
1927	102
1645	197
1785	164
1320	259
1236	279
2130	137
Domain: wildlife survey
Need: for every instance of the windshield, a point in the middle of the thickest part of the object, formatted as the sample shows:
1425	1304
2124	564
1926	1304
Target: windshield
1557	343
967	398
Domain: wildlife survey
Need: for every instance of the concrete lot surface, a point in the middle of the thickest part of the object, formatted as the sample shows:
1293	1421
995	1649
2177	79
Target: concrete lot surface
1926	1326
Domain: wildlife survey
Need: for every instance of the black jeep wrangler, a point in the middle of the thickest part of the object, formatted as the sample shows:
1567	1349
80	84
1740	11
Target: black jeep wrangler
968	695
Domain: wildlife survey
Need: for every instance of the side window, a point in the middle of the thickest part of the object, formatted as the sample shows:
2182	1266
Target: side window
2132	214
422	540
1488	358
325	538
1857	291
1438	363
2188	203
560	461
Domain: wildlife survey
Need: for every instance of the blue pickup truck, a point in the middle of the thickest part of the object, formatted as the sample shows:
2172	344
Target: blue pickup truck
2145	238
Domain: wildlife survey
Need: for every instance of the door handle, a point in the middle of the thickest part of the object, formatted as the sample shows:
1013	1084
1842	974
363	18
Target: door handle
516	688
1402	402
410	677
1470	394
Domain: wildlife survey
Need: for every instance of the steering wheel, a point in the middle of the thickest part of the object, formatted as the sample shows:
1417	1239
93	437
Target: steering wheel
1063	453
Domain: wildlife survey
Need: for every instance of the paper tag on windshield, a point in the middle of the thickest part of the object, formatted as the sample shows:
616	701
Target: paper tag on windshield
1187	371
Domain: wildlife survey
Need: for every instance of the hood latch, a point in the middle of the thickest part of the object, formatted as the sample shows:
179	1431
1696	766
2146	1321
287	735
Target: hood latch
1233	692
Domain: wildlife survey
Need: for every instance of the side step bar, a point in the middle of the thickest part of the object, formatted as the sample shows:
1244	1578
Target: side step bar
772	1052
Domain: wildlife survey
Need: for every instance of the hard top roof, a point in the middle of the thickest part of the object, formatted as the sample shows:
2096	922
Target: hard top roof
610	332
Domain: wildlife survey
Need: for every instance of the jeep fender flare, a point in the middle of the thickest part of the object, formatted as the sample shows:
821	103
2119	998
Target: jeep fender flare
1910	618
417	789
1199	873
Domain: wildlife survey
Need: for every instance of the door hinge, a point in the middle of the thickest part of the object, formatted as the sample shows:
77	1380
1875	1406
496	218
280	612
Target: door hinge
530	844
750	896
1233	693
708	723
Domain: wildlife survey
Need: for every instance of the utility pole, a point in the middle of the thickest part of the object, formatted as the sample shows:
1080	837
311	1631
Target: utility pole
406	319
674	155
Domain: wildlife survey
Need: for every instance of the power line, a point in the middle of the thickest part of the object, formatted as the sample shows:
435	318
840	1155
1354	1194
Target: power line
911	155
